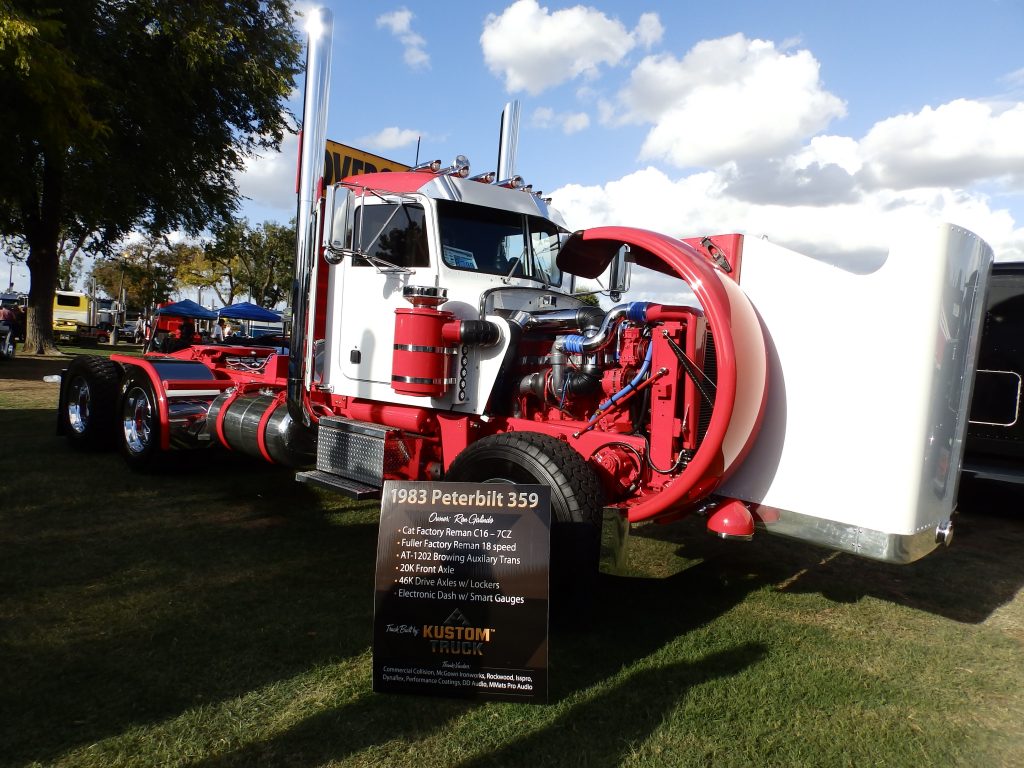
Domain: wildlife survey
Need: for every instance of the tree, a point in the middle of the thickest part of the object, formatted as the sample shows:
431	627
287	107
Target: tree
242	260
131	115
268	261
588	298
216	265
14	250
146	271
70	249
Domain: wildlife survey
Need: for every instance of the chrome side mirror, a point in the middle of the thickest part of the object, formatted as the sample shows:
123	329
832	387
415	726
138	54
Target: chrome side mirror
339	232
619	273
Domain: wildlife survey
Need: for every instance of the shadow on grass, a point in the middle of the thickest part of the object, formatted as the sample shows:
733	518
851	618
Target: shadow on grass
606	729
128	599
32	368
982	570
334	734
644	615
598	732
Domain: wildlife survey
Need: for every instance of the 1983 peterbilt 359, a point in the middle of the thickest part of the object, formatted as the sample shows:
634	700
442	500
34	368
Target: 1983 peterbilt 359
436	334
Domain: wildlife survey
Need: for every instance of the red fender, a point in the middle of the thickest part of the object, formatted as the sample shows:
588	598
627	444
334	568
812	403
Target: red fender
161	370
739	342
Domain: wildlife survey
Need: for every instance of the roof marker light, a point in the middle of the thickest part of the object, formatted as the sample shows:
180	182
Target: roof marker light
515	182
459	167
431	166
484	178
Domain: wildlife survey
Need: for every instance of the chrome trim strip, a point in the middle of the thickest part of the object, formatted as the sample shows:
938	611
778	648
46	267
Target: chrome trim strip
415	380
863	542
209	394
417	348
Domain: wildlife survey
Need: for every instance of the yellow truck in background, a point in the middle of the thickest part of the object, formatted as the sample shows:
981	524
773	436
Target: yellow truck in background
74	319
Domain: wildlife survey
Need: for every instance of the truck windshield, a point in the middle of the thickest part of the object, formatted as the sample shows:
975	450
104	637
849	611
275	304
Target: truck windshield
499	242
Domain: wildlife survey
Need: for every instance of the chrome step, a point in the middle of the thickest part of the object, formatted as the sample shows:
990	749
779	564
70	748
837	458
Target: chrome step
355	450
353	489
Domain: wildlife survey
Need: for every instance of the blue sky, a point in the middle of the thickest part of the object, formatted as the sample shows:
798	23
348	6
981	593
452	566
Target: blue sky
824	126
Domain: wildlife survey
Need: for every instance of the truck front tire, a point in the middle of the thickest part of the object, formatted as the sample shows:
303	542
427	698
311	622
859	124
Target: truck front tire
576	496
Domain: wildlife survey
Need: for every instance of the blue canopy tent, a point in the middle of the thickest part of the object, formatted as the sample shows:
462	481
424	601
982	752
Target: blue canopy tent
187	308
163	341
246	310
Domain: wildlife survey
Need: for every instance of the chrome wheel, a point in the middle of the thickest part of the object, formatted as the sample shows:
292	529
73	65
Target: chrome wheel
137	419
88	403
79	405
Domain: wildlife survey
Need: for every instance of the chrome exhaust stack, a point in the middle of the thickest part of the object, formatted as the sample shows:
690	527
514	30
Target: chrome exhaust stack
508	141
313	140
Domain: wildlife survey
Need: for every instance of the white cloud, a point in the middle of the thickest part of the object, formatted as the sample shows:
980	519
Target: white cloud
543	117
534	49
702	203
1014	79
575	122
399	23
831	150
269	180
727	99
955	144
390	138
649	30
568	122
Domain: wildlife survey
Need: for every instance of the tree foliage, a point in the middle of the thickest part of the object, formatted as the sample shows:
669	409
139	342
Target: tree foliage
147	271
132	114
268	262
588	298
216	265
243	260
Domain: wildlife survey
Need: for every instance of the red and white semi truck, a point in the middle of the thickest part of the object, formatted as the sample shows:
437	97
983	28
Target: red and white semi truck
436	335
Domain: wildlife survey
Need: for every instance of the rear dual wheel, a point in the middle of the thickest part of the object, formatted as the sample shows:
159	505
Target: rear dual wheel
89	402
139	421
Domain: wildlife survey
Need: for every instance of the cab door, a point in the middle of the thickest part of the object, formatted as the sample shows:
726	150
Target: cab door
393	235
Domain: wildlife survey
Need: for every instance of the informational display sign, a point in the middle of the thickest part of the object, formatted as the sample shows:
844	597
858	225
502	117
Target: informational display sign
461	605
343	161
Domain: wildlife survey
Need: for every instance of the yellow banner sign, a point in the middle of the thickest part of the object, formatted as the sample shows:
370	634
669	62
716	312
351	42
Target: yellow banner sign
343	161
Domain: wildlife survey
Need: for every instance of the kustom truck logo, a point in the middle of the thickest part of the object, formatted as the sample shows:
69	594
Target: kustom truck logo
456	637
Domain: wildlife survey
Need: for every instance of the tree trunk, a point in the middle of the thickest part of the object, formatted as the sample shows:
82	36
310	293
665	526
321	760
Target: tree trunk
39	323
43	260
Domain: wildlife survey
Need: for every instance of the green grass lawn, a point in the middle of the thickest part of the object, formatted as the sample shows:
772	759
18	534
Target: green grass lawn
219	614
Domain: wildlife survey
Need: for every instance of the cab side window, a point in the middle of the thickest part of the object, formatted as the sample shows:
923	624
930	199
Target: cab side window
396	234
